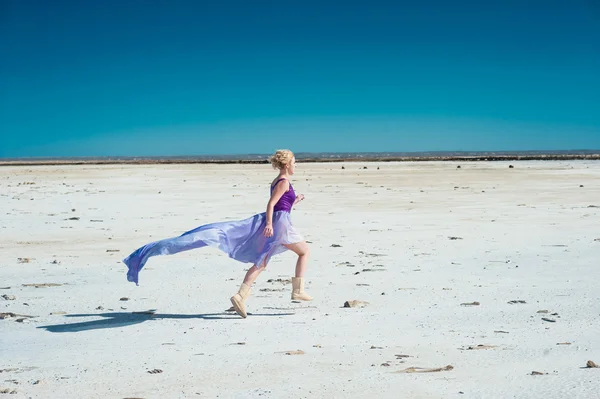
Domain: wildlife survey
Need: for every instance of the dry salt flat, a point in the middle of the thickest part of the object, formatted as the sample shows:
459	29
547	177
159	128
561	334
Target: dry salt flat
430	281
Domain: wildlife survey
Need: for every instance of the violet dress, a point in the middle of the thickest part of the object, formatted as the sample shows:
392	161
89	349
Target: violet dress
242	240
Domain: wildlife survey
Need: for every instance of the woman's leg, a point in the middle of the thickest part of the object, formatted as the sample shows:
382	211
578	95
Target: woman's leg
239	300
302	250
253	273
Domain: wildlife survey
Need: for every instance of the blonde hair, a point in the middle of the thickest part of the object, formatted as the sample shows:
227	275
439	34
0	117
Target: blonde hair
281	158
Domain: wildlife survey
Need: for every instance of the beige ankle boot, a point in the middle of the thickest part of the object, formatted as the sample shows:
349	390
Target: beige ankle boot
239	300
298	293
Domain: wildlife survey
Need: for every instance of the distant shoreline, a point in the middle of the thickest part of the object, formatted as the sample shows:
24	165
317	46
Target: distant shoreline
314	158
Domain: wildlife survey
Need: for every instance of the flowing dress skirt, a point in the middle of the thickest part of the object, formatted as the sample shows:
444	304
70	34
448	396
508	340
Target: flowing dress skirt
242	240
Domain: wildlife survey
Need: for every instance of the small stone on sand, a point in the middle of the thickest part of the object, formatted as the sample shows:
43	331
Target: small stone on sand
155	371
355	304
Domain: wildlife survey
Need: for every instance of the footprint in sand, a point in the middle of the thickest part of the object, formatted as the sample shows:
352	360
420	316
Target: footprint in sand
42	285
290	353
478	347
425	370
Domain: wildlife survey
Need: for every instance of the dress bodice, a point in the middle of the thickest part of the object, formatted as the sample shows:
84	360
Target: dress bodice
286	201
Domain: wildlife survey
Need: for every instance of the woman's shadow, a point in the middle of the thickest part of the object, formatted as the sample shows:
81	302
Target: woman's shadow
122	319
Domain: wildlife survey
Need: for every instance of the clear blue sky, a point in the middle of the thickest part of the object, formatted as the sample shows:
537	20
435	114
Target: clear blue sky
98	78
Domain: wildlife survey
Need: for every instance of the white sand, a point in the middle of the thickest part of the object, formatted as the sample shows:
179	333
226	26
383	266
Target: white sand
528	234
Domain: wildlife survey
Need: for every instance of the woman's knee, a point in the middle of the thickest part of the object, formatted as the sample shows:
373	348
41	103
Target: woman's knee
300	249
305	250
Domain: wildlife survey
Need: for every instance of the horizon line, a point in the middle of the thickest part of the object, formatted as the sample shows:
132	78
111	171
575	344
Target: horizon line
310	154
315	157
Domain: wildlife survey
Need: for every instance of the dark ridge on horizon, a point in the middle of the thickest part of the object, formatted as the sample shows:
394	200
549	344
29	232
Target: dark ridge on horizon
303	155
317	157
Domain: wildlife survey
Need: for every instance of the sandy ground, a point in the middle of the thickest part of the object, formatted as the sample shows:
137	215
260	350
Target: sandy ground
418	241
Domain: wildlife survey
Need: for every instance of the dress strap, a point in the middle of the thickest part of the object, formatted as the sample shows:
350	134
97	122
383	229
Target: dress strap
277	182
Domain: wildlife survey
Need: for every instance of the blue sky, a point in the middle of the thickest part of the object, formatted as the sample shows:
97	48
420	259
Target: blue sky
161	77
